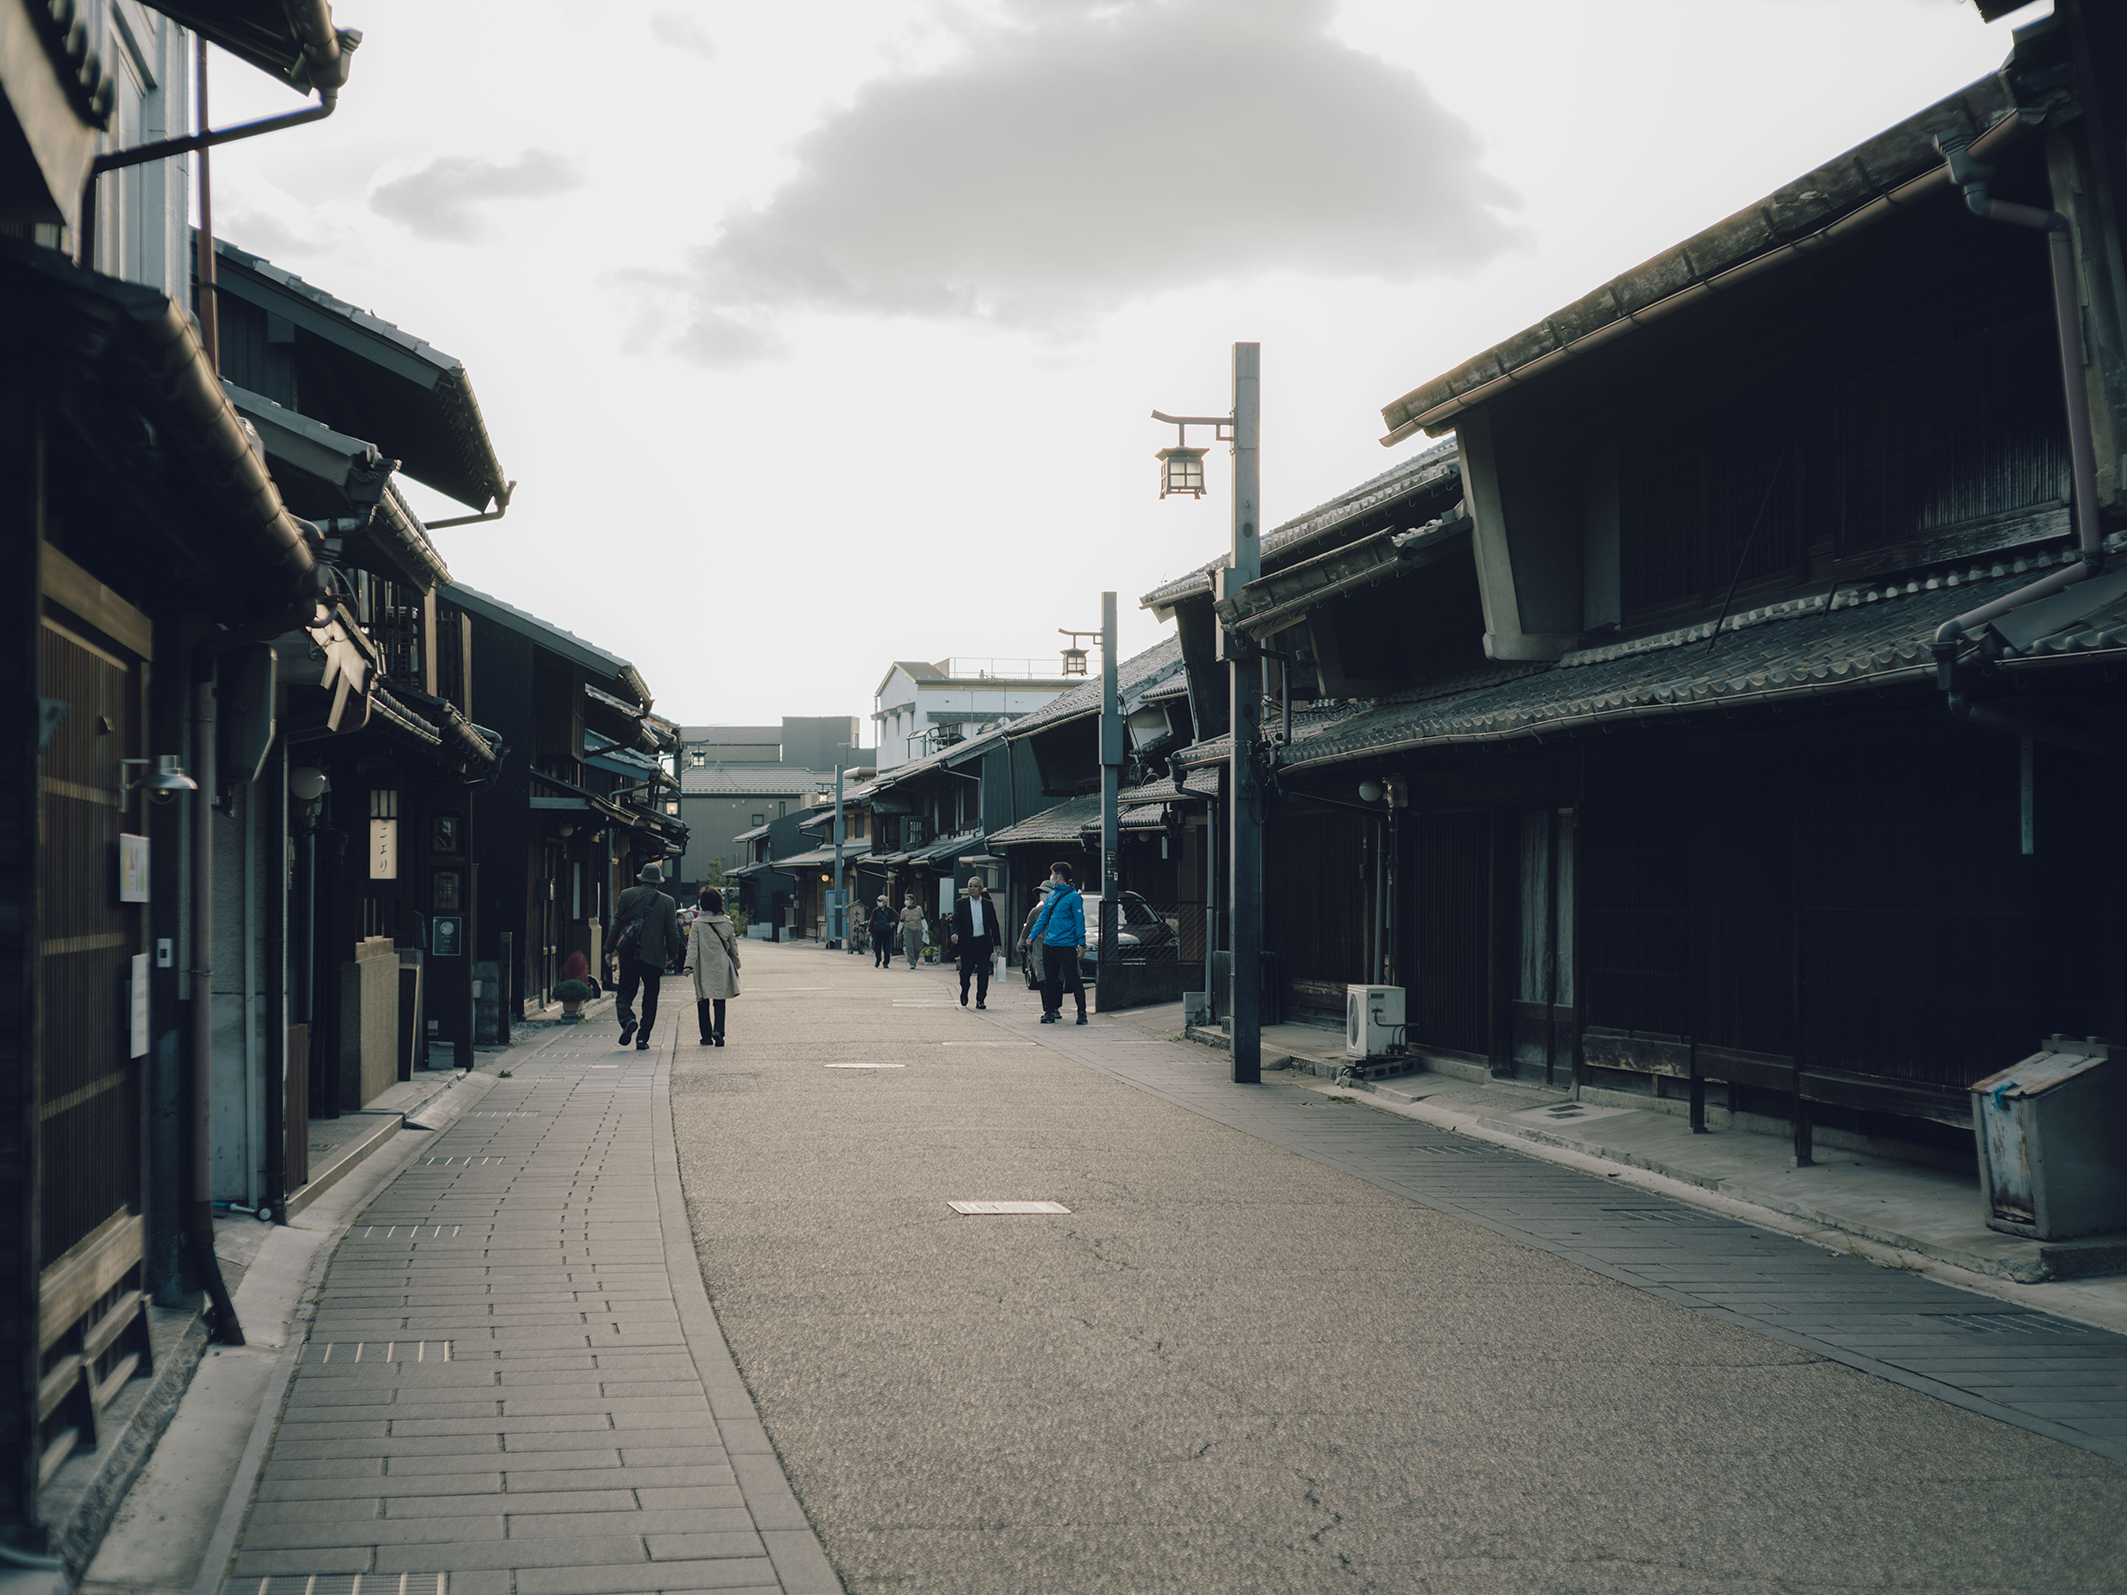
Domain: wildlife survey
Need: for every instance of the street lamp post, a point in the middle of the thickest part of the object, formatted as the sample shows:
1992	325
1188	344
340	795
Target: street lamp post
1244	666
836	902
1111	769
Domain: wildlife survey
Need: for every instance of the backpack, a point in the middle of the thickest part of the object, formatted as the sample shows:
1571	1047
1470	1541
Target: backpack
629	942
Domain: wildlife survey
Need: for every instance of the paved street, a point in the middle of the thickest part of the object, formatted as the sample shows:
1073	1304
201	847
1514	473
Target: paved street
1237	1365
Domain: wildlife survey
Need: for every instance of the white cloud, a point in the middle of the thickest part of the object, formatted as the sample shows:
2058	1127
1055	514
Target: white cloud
682	32
1073	158
438	199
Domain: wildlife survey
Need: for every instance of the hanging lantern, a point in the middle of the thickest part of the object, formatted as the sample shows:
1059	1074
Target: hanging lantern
1181	471
1074	659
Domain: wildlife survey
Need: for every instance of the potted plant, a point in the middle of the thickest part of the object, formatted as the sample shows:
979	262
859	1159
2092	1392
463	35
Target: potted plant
572	994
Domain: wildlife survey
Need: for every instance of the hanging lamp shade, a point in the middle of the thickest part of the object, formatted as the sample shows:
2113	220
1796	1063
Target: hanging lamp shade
1181	471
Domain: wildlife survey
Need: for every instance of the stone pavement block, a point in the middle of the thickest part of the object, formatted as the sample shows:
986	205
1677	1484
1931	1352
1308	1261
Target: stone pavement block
335	1429
689	1547
690	1498
663	1454
584	1550
695	1476
768	1493
386	1487
411	1425
650	1390
373	1531
328	1468
334	1509
520	1501
333	1559
744	1436
483	1462
732	1520
386	1446
731	1573
801	1566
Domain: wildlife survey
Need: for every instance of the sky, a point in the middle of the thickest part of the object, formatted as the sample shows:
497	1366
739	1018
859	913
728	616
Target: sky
819	336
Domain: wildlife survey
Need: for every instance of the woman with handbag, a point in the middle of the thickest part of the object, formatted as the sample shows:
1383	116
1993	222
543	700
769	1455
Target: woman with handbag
713	965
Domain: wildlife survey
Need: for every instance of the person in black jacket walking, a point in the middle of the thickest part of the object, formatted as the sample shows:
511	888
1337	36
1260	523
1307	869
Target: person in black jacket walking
882	935
975	938
660	945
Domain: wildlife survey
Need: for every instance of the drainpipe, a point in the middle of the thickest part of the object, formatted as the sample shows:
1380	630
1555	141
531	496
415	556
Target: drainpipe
1972	176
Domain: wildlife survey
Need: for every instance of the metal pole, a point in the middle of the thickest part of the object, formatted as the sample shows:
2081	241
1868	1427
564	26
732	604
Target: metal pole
1111	770
839	904
1244	894
209	305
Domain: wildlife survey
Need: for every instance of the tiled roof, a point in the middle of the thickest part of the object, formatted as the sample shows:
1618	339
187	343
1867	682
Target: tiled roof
752	780
1064	823
1160	659
1859	638
1422	469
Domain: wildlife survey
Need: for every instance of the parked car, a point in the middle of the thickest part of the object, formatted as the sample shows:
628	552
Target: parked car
1141	936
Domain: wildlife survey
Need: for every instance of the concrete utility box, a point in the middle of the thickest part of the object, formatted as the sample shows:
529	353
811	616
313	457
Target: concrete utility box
2052	1139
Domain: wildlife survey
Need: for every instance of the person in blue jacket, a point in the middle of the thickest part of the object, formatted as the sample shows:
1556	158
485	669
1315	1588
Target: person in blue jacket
1060	933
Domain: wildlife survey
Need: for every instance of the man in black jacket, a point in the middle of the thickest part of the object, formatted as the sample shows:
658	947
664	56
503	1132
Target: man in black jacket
975	938
882	935
660	946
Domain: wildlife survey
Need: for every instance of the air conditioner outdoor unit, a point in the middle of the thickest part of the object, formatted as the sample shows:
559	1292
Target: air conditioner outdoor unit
1373	1020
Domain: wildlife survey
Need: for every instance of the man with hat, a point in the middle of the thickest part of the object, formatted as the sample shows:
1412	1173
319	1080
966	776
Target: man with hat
648	952
975	938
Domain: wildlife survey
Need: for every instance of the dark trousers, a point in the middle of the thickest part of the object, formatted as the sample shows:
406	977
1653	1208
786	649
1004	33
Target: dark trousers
882	949
633	973
710	1012
1060	974
975	960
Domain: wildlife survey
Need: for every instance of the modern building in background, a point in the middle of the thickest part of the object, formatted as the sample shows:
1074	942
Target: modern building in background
921	708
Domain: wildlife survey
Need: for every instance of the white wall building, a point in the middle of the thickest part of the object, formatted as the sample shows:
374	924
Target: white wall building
920	707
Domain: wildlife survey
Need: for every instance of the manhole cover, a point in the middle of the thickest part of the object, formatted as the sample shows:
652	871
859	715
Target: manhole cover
1665	1215
341	1584
387	1351
990	1209
2010	1324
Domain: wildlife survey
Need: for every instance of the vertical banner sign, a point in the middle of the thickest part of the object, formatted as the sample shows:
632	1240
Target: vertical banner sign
132	869
140	1006
383	850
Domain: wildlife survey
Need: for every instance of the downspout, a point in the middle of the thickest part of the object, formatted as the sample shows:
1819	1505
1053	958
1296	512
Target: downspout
1972	175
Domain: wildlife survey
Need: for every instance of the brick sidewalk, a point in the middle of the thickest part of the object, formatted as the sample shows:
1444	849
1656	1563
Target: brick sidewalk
506	1391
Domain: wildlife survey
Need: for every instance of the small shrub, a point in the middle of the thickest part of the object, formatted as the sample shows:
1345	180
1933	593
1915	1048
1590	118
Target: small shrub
574	990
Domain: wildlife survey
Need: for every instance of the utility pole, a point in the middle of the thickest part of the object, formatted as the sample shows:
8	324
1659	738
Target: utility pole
836	903
1244	895
1111	769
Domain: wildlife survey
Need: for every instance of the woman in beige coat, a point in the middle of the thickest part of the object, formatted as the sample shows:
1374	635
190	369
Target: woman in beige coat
912	927
713	965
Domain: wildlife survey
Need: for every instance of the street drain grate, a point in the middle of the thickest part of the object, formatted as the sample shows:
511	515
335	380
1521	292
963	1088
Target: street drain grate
2010	1324
493	1113
388	1351
1664	1215
454	1162
342	1584
1455	1151
865	1066
992	1209
413	1231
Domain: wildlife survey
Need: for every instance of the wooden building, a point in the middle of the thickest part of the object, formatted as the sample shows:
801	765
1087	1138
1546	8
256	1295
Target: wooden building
1658	776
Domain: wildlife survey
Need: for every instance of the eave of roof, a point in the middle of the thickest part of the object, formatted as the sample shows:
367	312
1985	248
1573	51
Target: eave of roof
1421	470
1900	165
1133	675
544	632
413	400
292	40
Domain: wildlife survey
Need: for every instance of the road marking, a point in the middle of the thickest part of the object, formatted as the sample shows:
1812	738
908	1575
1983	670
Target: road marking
989	1209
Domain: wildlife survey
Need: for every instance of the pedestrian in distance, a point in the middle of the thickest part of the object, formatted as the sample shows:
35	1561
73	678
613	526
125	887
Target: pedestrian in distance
646	941
1060	933
1029	954
975	938
882	934
914	927
713	965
